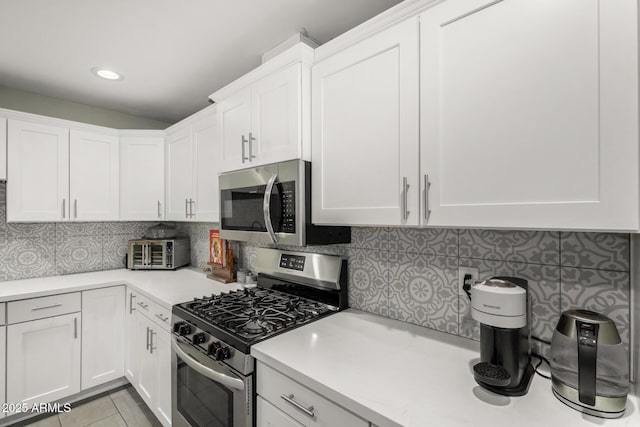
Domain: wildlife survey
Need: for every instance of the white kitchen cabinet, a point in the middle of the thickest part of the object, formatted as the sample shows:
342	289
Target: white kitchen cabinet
192	161
94	176
206	156
3	151
270	416
131	347
43	357
529	114
142	176
304	405
150	346
103	320
365	131
38	172
234	117
268	121
3	365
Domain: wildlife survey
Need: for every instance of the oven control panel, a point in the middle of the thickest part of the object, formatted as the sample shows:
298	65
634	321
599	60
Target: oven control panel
292	262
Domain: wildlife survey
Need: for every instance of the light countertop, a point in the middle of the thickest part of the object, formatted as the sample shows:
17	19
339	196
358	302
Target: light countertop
166	287
396	374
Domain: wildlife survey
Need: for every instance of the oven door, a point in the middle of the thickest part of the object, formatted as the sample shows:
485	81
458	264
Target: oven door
207	393
264	204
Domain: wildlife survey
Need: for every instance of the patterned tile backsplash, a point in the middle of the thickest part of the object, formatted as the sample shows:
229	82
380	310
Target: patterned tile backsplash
403	273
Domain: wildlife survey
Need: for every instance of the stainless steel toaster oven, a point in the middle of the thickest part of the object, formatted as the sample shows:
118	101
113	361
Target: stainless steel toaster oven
158	254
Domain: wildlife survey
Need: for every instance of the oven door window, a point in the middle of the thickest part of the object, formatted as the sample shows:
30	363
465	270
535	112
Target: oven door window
201	401
242	208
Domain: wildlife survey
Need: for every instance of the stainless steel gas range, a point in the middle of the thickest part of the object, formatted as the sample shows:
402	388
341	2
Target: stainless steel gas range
212	369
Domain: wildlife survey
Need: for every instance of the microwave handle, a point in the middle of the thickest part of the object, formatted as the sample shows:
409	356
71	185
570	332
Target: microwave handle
266	207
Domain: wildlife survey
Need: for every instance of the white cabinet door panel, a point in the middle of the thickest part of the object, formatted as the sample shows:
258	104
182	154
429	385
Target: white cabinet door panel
275	116
38	172
162	358
44	359
141	178
147	381
131	345
94	176
234	123
524	120
179	174
365	131
207	160
102	335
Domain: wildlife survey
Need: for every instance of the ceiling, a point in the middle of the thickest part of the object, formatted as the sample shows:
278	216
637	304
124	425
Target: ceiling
172	53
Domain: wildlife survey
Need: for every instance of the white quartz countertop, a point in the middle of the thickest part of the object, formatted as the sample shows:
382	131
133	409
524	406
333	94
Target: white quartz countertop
396	374
166	287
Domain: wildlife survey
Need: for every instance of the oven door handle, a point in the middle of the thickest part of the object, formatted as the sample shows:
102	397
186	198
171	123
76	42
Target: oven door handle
212	374
266	207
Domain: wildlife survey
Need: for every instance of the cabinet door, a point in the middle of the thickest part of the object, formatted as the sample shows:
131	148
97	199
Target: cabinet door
44	356
365	131
270	416
102	335
3	366
276	116
207	161
94	174
179	174
3	151
529	113
161	348
234	122
131	344
146	384
38	172
141	178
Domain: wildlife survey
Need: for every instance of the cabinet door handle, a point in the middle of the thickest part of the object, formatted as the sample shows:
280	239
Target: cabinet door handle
251	139
151	347
159	214
427	211
75	209
191	203
64	208
244	141
405	193
289	399
148	338
186	208
131	308
75	328
45	307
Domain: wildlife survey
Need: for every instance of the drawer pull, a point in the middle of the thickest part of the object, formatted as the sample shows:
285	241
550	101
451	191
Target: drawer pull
143	305
289	399
164	319
46	306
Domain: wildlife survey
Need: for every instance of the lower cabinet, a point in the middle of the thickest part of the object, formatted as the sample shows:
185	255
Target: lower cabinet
148	365
102	339
43	359
283	402
3	365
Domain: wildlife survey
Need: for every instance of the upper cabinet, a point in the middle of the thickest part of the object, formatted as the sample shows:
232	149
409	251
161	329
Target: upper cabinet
94	176
529	114
365	113
264	117
38	172
3	149
192	165
58	175
142	175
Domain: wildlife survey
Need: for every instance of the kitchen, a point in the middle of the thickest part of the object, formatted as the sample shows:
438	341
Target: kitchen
490	159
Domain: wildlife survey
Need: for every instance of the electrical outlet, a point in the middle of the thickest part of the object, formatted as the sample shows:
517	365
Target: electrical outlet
463	271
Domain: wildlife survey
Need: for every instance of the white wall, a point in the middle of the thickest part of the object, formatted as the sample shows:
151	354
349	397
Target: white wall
29	102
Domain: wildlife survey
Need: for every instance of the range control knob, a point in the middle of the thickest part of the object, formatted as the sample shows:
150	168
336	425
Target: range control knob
199	338
177	325
218	352
213	347
184	329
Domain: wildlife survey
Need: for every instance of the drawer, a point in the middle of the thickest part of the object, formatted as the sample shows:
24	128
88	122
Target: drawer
3	314
151	309
301	403
39	308
161	315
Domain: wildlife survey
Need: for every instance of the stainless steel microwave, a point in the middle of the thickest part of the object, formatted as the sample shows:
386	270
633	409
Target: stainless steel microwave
272	204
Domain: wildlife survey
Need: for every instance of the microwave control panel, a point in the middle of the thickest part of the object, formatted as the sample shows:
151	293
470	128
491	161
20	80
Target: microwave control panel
288	194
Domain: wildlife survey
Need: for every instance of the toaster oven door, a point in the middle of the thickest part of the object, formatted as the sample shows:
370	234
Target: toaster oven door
148	255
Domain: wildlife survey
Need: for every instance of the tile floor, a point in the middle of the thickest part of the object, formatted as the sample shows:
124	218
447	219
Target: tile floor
123	408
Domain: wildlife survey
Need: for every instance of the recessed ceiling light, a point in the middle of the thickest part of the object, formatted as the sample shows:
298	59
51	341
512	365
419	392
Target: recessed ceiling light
106	74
